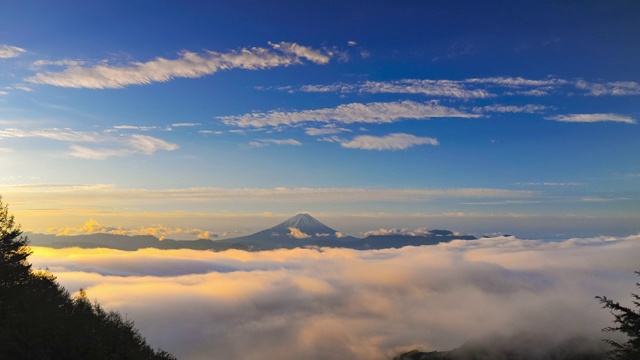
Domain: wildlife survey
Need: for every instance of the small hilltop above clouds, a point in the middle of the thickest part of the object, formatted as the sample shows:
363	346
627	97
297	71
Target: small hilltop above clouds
301	230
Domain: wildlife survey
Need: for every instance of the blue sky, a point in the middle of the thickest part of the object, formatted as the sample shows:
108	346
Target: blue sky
214	120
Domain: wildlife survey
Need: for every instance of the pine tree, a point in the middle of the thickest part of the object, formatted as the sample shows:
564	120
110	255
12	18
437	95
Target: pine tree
627	322
40	320
14	268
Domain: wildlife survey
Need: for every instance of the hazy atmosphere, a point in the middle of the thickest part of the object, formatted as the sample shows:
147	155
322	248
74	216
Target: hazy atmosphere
214	120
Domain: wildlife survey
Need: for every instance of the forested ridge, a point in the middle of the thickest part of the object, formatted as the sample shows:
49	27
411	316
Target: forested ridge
39	319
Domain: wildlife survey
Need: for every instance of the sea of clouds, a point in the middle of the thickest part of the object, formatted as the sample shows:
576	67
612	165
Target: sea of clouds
348	304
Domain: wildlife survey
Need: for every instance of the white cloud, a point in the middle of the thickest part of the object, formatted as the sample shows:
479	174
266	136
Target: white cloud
352	43
118	145
267	142
345	304
66	135
7	51
300	51
188	65
397	141
529	108
92	226
149	144
591	118
516	81
461	89
297	233
185	124
533	92
340	87
22	87
616	88
474	88
447	88
134	127
65	62
396	231
328	129
444	88
3	92
370	113
83	152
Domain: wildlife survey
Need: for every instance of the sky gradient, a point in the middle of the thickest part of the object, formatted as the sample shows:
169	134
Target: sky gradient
216	120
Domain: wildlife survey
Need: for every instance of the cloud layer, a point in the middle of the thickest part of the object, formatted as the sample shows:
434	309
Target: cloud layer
187	65
345	304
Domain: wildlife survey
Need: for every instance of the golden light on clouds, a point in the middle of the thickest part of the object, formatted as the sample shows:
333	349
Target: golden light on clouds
337	303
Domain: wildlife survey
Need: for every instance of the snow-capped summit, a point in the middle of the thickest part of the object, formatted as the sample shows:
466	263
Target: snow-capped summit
306	224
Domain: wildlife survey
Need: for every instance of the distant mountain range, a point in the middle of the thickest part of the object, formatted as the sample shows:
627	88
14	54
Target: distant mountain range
302	230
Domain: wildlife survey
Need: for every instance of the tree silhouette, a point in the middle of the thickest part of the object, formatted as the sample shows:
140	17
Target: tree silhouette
627	322
40	320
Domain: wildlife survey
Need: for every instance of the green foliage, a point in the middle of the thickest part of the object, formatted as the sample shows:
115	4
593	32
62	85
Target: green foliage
40	320
627	322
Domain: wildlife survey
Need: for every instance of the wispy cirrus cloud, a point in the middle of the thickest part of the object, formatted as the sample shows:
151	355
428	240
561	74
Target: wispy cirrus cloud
66	135
474	88
591	118
445	88
65	62
369	113
106	194
329	129
149	144
516	81
187	65
8	51
267	142
134	127
116	145
185	124
528	109
616	88
396	141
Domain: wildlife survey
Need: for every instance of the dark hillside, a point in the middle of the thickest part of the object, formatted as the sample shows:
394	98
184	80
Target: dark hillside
40	320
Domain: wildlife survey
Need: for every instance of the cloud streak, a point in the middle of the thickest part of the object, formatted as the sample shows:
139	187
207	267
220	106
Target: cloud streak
353	113
8	51
187	65
476	88
117	145
397	141
592	118
107	193
267	142
345	304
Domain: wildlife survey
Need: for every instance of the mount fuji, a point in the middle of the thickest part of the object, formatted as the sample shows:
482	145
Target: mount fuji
300	230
